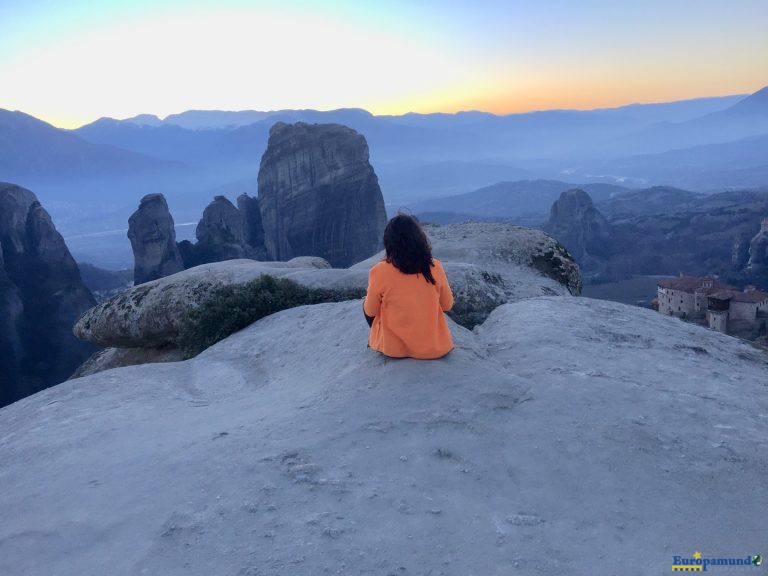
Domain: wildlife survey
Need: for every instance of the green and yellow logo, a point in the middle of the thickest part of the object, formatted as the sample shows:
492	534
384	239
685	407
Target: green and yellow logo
698	564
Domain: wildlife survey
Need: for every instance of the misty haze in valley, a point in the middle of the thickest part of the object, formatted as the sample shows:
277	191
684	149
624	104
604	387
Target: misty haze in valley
91	178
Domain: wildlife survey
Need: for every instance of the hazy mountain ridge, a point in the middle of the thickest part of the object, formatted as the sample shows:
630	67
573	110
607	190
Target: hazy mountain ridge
33	149
657	230
706	167
747	117
434	137
670	231
679	110
532	199
529	199
649	201
416	156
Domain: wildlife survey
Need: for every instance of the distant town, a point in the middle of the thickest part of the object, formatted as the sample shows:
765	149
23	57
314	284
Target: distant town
709	302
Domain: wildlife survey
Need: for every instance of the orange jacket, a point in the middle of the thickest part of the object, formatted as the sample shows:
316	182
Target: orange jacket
408	310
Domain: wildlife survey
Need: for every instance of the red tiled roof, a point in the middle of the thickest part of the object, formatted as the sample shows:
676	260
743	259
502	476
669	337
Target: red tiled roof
692	283
753	296
721	295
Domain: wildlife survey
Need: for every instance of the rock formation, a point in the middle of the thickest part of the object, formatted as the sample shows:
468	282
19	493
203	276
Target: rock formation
758	249
153	239
226	232
221	231
254	227
487	265
319	195
151	314
509	250
749	264
579	226
109	358
11	352
41	297
740	251
559	437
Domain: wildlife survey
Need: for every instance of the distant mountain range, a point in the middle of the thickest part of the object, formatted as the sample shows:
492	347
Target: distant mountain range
708	167
747	117
678	111
92	177
646	216
657	230
537	144
525	201
33	149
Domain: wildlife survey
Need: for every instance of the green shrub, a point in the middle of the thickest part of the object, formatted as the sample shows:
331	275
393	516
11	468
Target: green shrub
233	307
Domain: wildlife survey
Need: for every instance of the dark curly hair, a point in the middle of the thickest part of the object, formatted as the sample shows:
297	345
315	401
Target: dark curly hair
408	247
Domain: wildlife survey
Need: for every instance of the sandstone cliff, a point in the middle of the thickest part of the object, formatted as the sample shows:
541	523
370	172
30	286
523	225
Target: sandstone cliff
319	195
254	227
758	249
153	239
579	226
41	297
750	258
11	351
226	232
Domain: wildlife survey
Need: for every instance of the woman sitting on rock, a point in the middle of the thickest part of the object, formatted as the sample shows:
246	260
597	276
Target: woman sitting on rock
407	295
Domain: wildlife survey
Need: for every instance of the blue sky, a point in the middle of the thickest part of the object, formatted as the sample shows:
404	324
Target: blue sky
71	62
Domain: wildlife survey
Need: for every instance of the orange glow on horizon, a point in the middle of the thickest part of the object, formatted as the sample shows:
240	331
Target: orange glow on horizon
520	103
388	58
500	104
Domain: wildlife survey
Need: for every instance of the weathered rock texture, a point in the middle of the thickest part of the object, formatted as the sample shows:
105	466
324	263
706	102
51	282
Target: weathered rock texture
758	249
750	255
563	436
109	358
150	315
41	297
513	252
487	265
740	251
222	225
11	350
254	227
226	232
153	239
579	226
319	195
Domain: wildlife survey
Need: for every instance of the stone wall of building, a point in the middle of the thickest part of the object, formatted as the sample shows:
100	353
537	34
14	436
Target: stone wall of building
678	303
747	310
718	320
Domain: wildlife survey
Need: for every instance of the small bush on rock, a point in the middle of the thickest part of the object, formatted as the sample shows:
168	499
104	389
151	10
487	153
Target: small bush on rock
235	306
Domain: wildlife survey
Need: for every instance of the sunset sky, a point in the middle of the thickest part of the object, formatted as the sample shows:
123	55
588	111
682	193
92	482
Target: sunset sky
71	62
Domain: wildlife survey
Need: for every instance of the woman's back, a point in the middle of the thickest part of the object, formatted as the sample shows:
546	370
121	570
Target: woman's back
409	319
